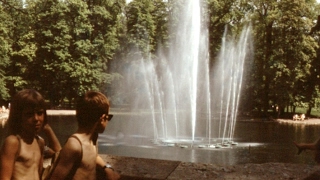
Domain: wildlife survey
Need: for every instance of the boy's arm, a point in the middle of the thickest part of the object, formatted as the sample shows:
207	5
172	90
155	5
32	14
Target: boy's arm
54	143
69	154
7	157
110	173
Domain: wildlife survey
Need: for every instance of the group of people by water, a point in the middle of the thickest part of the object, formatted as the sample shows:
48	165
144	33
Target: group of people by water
3	112
3	109
296	117
23	150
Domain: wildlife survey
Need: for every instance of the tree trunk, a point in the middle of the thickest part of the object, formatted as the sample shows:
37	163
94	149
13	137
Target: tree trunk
308	114
268	52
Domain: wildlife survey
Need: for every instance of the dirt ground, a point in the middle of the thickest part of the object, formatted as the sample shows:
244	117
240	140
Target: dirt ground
139	168
266	171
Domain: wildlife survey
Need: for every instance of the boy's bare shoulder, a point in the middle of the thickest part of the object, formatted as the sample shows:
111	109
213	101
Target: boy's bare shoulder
11	140
72	146
11	144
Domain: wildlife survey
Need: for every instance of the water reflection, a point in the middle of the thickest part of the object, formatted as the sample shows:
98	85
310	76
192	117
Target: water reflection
258	142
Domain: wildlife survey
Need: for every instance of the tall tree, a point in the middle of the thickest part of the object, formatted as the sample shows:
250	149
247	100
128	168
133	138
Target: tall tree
53	56
5	50
107	19
264	18
141	26
293	54
283	52
22	49
220	14
76	40
312	88
160	15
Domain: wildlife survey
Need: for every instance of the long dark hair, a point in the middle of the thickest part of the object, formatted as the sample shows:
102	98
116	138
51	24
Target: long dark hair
24	98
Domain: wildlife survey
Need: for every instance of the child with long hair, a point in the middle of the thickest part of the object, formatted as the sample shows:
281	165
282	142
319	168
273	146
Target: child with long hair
22	152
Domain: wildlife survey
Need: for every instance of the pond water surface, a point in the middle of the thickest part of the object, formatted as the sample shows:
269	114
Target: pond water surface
258	142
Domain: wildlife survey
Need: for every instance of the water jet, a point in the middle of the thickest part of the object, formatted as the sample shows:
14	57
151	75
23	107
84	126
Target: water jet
179	96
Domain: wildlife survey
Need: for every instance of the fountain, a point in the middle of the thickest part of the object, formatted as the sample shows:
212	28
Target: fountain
178	99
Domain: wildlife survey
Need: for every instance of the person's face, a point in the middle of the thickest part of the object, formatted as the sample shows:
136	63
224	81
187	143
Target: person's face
32	120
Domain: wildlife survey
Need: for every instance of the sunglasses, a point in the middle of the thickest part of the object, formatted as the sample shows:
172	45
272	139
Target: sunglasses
108	117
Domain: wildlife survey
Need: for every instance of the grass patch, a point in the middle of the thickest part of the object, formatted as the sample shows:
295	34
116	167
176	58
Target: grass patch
314	112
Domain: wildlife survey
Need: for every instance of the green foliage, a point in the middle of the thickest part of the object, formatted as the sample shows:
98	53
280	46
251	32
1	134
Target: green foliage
64	48
284	52
222	15
5	50
19	35
75	40
141	25
160	15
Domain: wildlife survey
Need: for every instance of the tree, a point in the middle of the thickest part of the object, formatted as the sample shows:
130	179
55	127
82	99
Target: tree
263	20
76	40
5	50
140	26
53	57
220	15
22	49
160	15
107	20
312	85
284	52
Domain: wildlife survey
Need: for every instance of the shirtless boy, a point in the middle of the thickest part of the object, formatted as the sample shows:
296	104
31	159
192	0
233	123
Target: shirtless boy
79	157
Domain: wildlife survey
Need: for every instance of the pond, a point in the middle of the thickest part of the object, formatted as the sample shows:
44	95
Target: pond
257	142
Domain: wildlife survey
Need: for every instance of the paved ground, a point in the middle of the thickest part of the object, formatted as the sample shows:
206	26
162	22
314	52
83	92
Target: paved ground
131	168
139	168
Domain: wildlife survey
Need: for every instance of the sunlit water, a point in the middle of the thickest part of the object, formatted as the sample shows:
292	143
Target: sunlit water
258	142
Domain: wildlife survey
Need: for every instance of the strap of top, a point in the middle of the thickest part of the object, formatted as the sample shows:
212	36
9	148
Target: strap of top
19	148
76	165
40	145
76	137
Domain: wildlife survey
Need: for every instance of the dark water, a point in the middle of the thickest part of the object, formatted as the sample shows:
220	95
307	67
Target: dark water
130	134
258	142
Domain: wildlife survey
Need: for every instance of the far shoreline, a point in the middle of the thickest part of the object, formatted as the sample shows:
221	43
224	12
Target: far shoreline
309	121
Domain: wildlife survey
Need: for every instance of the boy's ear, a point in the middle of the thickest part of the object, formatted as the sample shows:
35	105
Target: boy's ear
101	119
98	123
